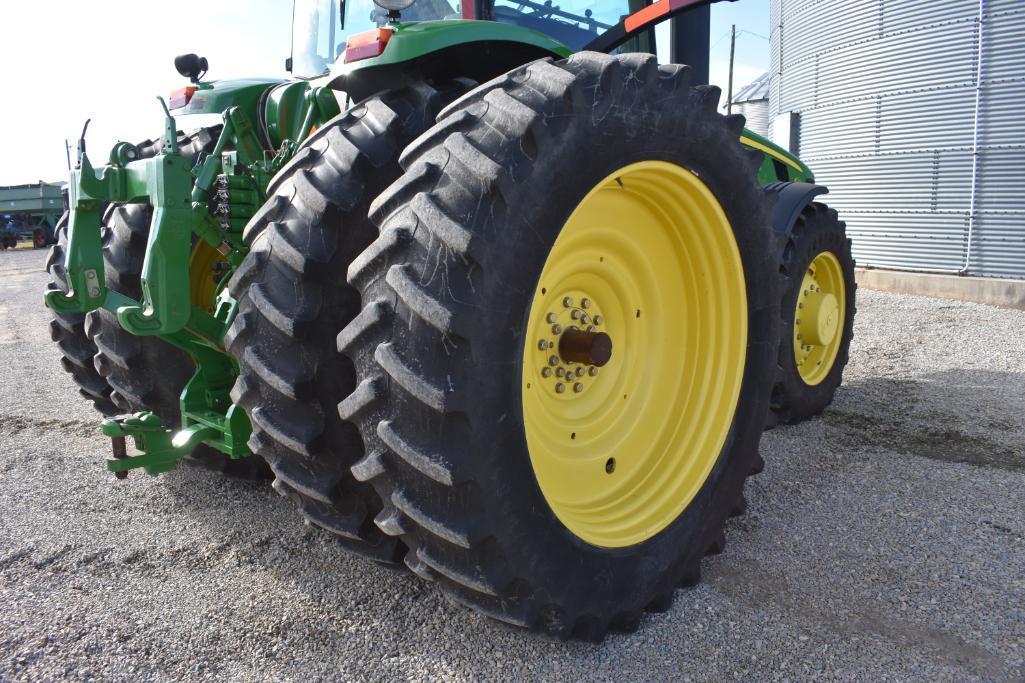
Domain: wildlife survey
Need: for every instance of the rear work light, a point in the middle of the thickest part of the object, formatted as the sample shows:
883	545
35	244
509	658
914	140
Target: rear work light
366	45
179	98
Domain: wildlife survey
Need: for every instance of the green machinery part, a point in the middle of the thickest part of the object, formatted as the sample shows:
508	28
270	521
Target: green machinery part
180	196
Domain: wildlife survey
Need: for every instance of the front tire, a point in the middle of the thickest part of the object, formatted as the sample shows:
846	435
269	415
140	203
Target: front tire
488	245
818	315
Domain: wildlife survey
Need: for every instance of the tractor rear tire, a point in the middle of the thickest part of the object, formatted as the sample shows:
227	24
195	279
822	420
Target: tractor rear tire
595	192
816	254
68	331
293	300
146	373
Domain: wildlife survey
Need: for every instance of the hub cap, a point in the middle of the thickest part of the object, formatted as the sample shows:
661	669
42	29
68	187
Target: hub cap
819	318
634	354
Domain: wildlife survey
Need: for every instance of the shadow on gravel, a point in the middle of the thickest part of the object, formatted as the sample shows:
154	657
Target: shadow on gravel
959	416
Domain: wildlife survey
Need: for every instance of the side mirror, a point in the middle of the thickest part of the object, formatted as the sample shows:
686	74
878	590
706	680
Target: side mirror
192	66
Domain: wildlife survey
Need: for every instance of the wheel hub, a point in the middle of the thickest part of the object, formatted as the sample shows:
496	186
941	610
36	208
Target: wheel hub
572	346
819	318
634	354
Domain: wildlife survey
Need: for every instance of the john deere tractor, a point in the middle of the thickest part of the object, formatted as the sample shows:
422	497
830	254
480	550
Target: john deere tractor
493	293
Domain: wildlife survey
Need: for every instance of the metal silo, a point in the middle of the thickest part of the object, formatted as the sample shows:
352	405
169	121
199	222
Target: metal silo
912	113
753	102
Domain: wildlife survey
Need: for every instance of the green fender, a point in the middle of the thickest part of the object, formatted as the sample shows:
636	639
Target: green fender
475	49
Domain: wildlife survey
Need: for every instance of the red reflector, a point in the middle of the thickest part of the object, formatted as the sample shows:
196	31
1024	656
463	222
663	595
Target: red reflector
179	98
366	45
652	12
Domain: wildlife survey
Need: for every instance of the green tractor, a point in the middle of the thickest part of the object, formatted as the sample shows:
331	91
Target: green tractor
490	291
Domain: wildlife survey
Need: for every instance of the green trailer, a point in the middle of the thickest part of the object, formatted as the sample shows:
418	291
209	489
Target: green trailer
31	211
491	292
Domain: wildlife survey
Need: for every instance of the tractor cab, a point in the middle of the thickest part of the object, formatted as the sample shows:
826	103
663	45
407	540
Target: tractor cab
322	29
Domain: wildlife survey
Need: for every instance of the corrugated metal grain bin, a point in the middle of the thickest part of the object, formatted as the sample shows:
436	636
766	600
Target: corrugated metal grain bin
912	113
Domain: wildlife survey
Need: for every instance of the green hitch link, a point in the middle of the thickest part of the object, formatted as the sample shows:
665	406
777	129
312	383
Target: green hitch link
161	448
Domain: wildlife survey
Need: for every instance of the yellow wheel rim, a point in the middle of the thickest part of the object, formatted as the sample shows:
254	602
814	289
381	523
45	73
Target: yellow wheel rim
819	318
649	258
206	273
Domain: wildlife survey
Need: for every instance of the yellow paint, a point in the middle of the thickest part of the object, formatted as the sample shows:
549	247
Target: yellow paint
771	152
203	289
819	318
619	458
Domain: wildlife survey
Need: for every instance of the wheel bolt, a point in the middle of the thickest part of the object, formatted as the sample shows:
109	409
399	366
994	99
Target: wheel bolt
798	335
593	371
585	303
560	388
546	372
559	372
798	321
556	329
553	360
585	319
551	317
578	387
568	302
580	372
542	345
597	320
575	314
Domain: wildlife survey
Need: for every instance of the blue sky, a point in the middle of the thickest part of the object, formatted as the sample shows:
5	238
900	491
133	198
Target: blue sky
68	60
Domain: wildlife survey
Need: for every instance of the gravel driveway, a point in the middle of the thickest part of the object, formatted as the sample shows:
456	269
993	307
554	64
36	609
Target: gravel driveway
885	540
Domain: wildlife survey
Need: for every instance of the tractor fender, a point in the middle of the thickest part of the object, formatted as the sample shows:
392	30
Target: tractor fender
791	200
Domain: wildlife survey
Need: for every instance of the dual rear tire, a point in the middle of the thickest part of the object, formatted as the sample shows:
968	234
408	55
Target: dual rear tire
443	430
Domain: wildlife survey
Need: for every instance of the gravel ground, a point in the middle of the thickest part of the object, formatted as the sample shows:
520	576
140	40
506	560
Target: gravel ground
884	541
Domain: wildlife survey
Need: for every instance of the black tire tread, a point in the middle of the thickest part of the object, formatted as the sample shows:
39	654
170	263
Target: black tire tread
293	299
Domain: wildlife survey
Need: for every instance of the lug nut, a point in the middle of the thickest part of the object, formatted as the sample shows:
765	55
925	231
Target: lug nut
553	360
551	317
542	345
556	329
560	388
568	302
546	372
559	372
580	372
578	387
575	314
585	303
585	319
597	320
592	371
